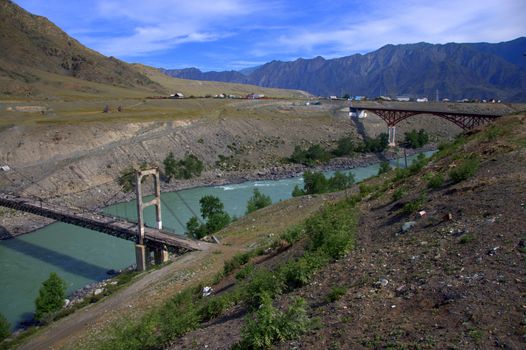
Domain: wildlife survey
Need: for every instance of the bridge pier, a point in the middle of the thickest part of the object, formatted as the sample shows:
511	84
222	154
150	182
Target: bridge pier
160	256
141	257
392	136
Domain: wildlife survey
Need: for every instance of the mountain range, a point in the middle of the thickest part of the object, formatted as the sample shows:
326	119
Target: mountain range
455	71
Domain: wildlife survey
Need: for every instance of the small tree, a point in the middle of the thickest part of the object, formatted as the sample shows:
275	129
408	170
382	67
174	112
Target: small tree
210	205
50	296
258	201
170	166
5	328
384	167
344	147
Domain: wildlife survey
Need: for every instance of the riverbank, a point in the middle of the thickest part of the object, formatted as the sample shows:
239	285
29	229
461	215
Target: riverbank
13	224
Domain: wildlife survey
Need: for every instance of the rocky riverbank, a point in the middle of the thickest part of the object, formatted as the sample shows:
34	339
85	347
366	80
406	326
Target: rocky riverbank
14	223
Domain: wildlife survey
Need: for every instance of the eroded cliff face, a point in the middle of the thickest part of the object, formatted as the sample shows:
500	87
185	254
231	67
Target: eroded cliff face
66	158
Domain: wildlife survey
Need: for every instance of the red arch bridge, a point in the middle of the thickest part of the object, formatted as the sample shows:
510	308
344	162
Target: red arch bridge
467	116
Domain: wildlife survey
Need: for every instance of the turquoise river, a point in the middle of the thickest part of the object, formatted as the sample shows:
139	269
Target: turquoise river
82	256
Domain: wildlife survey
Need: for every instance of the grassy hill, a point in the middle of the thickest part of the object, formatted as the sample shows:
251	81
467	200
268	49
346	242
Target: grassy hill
39	60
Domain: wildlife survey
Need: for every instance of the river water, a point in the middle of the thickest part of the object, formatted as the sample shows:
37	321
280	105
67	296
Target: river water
81	256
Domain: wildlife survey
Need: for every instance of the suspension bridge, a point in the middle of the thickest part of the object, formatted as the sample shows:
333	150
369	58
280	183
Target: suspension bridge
147	239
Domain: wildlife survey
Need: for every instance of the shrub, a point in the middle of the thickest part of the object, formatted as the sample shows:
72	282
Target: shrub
316	182
436	181
313	155
293	234
299	272
5	328
398	193
384	168
245	272
414	205
466	169
418	164
336	293
414	139
400	174
339	181
261	282
50	296
297	191
344	147
237	261
269	325
332	230
185	168
258	201
214	306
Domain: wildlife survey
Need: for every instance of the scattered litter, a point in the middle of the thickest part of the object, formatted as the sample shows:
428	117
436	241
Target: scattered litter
448	217
207	291
5	167
98	291
422	213
408	225
382	282
493	251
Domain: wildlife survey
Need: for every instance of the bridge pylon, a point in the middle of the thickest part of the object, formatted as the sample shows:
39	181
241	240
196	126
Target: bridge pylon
142	251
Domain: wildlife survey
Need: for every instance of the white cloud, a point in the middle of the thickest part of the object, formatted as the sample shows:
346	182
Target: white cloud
404	22
160	25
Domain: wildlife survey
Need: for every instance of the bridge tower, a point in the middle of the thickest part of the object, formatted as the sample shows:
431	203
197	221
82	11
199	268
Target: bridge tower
142	251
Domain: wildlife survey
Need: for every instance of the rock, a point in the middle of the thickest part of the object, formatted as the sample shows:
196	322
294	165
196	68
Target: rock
67	302
98	291
407	226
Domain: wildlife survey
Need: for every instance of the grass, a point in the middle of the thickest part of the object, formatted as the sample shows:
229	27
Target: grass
329	235
336	293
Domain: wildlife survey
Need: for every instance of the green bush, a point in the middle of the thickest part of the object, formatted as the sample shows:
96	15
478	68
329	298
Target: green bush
436	181
466	169
258	201
261	282
186	168
414	139
246	271
376	145
331	231
237	261
336	293
293	234
398	193
344	147
316	182
214	307
5	328
315	154
384	168
414	205
418	164
50	296
299	272
401	173
268	325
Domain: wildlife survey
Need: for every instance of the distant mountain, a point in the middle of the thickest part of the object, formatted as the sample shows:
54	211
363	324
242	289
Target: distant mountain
30	44
480	70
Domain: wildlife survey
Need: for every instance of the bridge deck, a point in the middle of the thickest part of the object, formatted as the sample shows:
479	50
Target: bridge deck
475	109
102	223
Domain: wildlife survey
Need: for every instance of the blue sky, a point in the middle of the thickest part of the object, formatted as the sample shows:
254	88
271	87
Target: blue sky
236	34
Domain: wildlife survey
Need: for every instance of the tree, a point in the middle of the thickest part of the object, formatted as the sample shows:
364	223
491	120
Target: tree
340	181
414	139
50	296
210	205
384	167
258	201
170	166
5	328
212	211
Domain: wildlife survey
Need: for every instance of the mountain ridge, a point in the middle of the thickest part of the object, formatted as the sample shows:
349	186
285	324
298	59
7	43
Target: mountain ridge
456	70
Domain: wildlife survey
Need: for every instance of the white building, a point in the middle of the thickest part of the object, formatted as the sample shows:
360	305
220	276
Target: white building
422	99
